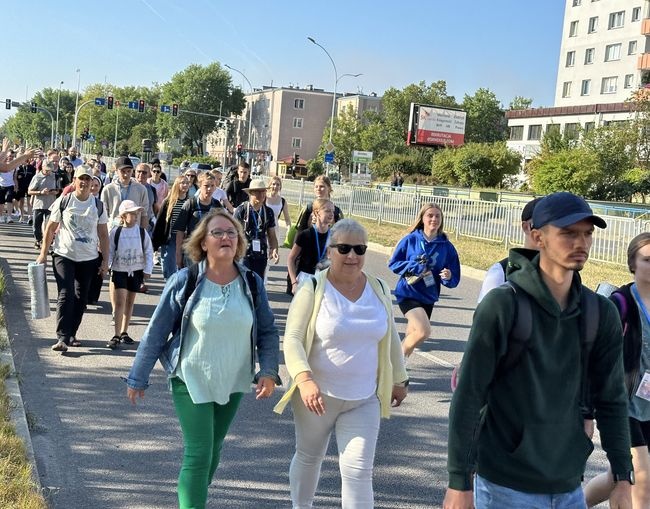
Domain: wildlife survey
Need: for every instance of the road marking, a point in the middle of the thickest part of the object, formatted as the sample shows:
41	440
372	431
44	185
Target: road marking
435	359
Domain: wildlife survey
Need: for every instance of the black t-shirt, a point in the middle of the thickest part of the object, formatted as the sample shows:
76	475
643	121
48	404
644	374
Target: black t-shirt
191	213
256	225
24	174
312	249
235	192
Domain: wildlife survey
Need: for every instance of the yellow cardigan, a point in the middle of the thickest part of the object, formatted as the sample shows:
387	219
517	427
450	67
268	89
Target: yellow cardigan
299	338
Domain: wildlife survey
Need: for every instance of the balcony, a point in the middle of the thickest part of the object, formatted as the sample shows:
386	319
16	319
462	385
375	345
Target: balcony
643	63
645	26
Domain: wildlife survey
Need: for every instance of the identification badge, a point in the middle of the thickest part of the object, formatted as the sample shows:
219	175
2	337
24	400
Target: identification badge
428	279
643	391
257	245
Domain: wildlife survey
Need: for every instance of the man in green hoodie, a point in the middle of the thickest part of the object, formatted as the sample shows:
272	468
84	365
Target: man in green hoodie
520	429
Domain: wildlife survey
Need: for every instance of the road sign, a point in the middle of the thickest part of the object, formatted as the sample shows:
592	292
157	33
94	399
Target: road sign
360	156
100	101
165	108
329	147
133	105
329	157
91	137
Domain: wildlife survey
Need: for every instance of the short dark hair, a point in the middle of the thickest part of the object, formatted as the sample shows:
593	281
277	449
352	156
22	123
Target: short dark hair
245	165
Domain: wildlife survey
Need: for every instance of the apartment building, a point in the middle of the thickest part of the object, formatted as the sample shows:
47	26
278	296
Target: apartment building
604	57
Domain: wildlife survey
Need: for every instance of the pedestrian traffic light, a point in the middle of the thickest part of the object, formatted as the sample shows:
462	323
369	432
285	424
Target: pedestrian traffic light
8	104
240	150
109	102
174	110
32	107
296	159
141	105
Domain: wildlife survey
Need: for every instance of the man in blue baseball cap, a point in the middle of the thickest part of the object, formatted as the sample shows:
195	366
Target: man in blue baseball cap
531	448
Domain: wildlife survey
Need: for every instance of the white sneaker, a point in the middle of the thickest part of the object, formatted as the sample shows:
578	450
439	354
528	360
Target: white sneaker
9	219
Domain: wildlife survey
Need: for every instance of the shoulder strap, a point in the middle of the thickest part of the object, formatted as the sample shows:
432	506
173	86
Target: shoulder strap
519	336
589	323
142	234
252	285
621	304
116	239
284	202
100	207
504	266
65	201
192	276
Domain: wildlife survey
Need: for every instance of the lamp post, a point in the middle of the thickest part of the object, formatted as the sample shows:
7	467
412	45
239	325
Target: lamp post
336	82
58	101
76	109
250	108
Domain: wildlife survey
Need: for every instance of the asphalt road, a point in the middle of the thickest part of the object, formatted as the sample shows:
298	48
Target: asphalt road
95	450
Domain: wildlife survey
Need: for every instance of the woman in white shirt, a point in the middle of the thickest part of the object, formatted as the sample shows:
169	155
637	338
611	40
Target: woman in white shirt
343	353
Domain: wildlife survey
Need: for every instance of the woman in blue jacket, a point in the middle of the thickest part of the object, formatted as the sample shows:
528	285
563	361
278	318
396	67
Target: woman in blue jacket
218	316
424	260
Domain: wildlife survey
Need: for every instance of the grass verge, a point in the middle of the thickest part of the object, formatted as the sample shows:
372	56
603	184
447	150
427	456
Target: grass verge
482	254
17	487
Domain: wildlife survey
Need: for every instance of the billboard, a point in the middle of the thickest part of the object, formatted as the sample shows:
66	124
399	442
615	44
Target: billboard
436	126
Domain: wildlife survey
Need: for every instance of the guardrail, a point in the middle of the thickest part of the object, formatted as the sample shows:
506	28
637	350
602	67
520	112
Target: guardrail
479	219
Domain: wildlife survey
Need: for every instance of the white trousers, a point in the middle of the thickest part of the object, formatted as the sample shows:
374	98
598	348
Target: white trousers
356	424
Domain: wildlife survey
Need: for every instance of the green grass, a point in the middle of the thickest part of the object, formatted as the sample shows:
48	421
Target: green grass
17	487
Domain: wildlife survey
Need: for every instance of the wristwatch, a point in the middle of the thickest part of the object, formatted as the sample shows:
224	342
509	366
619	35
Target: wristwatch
627	476
405	383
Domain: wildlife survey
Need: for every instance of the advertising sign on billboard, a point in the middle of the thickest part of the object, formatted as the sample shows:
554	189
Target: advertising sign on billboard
436	126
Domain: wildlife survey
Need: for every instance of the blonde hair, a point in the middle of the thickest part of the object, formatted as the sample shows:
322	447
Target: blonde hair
193	246
204	176
325	180
419	222
277	179
174	194
319	203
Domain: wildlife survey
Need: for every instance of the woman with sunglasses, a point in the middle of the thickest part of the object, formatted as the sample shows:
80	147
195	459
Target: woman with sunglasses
160	185
424	260
342	351
219	326
194	185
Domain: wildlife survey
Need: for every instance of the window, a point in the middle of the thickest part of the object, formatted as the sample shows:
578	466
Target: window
571	130
593	25
296	142
299	104
609	85
517	132
570	58
576	3
534	132
297	122
566	89
636	14
629	81
552	129
616	19
586	87
612	52
631	48
589	56
573	29
589	126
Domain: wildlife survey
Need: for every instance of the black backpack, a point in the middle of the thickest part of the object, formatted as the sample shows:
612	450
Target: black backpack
118	232
65	201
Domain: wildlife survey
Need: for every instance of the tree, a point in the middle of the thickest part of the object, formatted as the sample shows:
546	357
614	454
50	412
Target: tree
346	138
202	89
486	121
575	170
520	103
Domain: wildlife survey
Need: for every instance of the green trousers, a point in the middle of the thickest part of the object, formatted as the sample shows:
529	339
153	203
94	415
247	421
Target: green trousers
204	428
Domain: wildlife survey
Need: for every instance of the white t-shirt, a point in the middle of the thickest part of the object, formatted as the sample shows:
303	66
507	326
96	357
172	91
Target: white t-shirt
77	237
219	195
7	179
493	278
345	353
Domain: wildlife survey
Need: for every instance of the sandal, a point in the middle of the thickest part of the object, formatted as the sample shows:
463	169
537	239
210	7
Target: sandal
113	342
126	339
75	342
60	346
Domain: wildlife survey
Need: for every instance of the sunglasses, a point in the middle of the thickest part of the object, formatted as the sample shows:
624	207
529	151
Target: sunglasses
155	171
359	249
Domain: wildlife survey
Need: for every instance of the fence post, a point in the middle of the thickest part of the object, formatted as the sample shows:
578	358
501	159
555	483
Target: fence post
508	231
381	206
351	201
302	192
459	213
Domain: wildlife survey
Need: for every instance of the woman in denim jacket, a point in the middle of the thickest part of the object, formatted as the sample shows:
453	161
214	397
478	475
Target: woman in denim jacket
209	372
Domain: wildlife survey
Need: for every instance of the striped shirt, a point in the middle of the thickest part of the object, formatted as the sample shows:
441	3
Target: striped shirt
175	211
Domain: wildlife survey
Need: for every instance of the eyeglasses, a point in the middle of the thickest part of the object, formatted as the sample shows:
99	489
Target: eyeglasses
218	234
359	249
155	171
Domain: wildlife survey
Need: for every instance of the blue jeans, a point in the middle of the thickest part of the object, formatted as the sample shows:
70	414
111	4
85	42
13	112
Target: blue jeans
168	257
488	495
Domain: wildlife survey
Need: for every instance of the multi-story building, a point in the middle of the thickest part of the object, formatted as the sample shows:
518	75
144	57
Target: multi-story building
604	57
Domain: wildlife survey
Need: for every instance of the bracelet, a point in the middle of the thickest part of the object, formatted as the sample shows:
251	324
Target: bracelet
303	381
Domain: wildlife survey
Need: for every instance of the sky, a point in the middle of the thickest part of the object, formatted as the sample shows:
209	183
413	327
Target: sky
508	46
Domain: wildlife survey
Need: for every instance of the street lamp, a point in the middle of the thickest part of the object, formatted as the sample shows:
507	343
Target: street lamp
76	104
58	101
336	82
250	108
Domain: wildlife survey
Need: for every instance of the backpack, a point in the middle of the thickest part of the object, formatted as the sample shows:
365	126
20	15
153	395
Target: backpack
65	201
118	232
621	304
190	286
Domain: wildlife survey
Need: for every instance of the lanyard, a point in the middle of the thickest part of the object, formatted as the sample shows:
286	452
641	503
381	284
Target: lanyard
635	291
125	194
318	251
258	219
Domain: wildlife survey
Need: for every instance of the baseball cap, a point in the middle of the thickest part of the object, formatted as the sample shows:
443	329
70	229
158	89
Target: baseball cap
527	213
83	170
123	162
564	209
128	206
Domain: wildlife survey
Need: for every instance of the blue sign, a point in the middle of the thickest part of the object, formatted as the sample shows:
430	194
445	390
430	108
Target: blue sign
165	108
91	137
329	157
133	105
100	101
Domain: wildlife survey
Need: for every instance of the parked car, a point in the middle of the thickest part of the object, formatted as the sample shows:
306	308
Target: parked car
200	166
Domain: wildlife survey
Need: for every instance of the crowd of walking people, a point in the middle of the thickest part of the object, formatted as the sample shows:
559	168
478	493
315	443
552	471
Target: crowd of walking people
545	359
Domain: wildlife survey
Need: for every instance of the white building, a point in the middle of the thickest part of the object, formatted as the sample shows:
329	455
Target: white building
604	57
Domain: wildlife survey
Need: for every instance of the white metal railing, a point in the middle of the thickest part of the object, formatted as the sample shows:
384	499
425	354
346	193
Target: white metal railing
485	220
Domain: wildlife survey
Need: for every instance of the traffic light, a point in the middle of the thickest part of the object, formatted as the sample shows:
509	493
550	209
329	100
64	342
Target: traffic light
8	104
32	108
174	110
141	105
240	150
109	102
296	159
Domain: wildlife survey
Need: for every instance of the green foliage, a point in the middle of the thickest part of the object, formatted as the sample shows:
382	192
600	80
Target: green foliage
520	103
314	168
574	170
408	164
486	121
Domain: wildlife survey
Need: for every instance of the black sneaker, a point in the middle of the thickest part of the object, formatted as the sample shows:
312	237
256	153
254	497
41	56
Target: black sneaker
126	339
37	244
113	342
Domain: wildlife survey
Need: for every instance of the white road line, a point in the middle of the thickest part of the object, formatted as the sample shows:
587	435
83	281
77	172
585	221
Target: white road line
437	360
